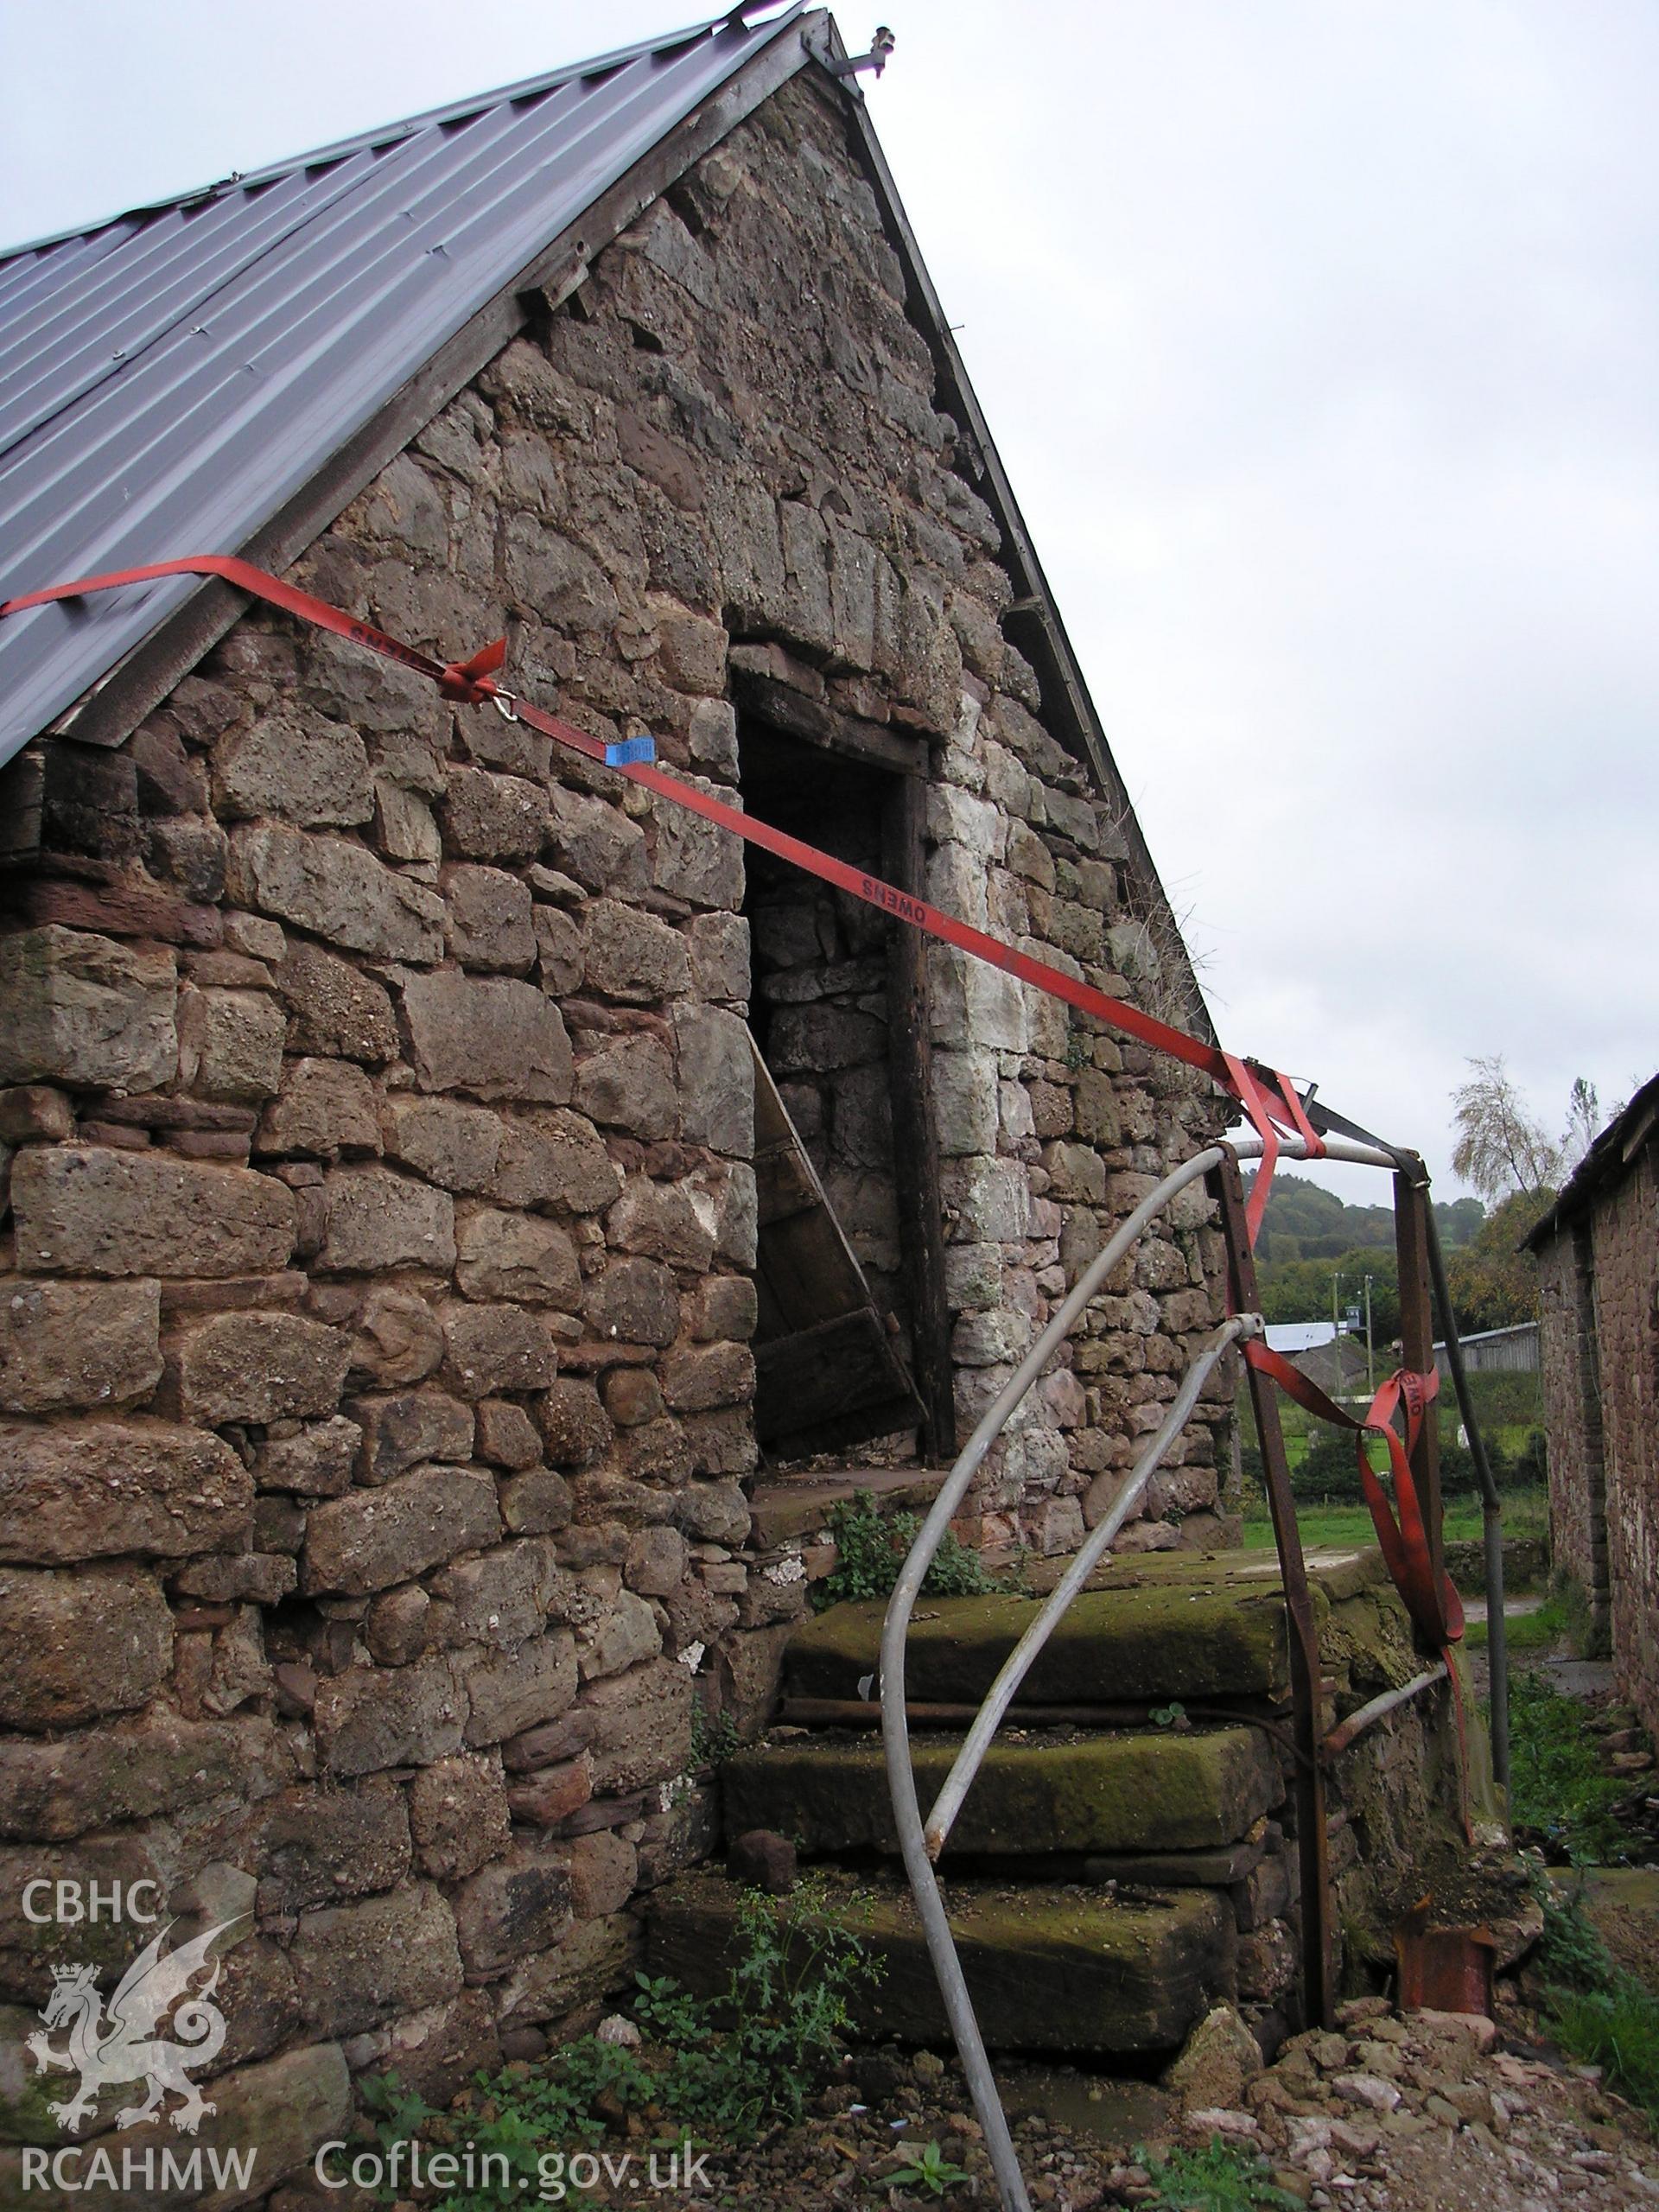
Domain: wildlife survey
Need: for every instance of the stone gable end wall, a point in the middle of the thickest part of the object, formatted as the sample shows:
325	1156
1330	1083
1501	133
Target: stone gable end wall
1599	1278
374	1351
1572	1392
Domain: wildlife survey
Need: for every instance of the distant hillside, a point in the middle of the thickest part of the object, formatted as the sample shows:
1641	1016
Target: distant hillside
1314	1250
1304	1222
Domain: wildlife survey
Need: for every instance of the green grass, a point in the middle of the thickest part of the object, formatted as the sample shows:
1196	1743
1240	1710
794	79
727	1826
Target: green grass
1539	1630
1510	1437
1617	2029
1601	2015
1557	1789
1219	2178
1342	1527
1526	1515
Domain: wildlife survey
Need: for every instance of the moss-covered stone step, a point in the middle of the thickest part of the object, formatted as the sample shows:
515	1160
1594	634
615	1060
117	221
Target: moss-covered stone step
1175	1625
1150	1789
1075	1969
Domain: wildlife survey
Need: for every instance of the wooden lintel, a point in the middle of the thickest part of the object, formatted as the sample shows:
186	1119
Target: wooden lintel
813	723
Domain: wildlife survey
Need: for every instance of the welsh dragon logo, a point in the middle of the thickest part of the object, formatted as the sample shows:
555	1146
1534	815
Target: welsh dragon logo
123	2046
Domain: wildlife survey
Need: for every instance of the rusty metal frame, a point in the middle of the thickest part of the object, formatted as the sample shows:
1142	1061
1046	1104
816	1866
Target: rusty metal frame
1312	1843
1411	1238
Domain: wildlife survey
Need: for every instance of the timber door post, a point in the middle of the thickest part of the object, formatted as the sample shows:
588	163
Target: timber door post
915	1135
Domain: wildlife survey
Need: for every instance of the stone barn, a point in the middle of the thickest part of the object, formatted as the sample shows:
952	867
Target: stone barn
1598	1254
463	1221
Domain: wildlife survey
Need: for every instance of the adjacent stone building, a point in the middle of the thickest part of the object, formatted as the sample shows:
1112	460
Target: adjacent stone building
449	1194
1598	1253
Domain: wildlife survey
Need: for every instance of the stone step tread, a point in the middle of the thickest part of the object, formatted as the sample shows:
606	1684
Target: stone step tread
1065	1969
1171	1625
1054	1791
785	1506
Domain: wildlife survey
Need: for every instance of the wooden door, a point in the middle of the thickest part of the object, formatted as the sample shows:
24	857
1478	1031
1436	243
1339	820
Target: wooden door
828	1370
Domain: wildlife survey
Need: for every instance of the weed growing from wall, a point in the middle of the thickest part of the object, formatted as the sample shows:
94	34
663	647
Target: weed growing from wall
870	1547
718	2070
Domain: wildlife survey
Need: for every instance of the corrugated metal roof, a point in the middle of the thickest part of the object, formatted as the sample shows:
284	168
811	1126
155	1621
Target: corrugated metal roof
173	378
1515	1328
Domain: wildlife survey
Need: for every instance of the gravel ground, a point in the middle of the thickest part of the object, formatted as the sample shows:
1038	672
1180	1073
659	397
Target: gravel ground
1403	2114
1413	2115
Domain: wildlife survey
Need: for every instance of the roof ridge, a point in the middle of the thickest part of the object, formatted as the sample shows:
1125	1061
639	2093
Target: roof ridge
397	127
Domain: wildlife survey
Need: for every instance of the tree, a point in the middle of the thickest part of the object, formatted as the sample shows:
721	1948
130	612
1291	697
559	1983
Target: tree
1500	1147
1583	1121
1300	1290
1494	1284
1304	1221
1460	1222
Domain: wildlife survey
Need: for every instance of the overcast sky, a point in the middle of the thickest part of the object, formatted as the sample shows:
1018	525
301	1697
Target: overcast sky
1321	341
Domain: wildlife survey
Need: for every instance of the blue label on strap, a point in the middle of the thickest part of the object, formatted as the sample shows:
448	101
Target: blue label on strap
631	750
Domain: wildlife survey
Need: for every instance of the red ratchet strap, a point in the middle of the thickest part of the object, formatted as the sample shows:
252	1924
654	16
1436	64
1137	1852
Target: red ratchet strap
1438	1611
1435	1607
1300	1123
470	682
466	681
1269	1110
1250	1096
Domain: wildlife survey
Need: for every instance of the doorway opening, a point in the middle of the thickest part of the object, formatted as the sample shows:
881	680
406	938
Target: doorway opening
850	1272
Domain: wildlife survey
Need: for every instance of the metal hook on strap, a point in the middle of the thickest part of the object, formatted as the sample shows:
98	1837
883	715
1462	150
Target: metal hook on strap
467	681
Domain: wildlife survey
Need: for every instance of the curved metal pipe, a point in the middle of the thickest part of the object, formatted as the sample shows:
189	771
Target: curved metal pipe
1357	1721
1020	1661
901	1778
895	1729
